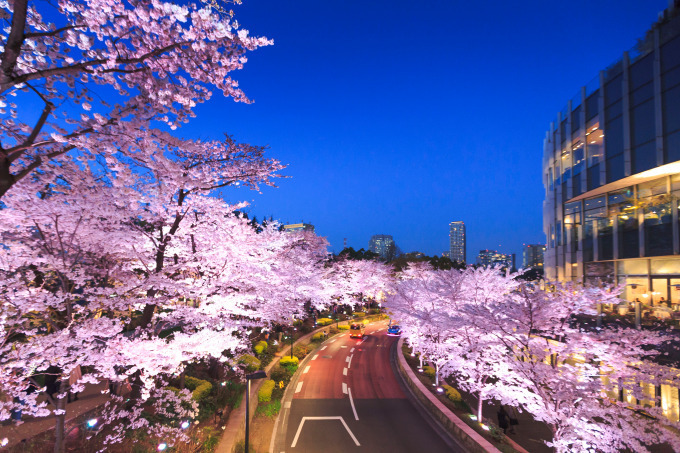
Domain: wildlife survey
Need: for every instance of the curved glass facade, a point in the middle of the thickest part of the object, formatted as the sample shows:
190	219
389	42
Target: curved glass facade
611	171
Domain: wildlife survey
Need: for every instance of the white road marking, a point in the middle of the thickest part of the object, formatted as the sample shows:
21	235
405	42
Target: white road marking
314	358
347	359
344	371
298	388
306	369
343	346
333	340
351	350
342	420
286	405
351	401
344	388
349	362
323	348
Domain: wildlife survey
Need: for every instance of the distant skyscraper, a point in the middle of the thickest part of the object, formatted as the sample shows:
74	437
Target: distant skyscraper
457	249
383	245
488	258
299	227
532	256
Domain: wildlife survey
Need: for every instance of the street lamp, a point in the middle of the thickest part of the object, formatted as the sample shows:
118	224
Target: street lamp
249	377
292	339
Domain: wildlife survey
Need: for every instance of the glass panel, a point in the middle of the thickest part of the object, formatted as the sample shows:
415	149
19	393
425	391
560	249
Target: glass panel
642	123
636	289
670	79
594	203
575	121
594	177
644	157
674	291
642	94
594	139
649	390
588	240
633	267
612	90
578	157
671	109
669	266
614	137
605	242
592	105
670	403
642	71
615	168
660	292
629	239
658	227
652	188
670	54
672	147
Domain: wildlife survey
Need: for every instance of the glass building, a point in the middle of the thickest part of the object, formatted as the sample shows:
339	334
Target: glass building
532	256
611	171
457	247
383	245
489	258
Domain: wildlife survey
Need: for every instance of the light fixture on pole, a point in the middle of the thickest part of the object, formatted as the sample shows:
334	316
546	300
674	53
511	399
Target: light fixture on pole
256	375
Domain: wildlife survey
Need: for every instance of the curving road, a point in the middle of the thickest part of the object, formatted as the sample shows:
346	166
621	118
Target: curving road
347	398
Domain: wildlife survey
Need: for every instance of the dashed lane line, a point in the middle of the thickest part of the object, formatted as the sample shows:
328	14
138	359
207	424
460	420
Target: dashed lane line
344	388
299	387
349	362
351	350
323	348
344	371
351	401
306	369
315	356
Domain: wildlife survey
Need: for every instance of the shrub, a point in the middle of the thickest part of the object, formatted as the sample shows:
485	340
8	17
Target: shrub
373	311
264	395
452	393
200	389
318	337
359	314
343	327
289	363
324	322
269	410
300	351
260	347
251	362
429	371
279	374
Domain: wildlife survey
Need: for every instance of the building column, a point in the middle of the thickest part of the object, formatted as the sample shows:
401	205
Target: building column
600	114
658	110
625	102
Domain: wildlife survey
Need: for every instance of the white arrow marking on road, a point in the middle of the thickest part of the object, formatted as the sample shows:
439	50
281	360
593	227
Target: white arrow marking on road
351	401
314	358
299	387
342	420
344	388
344	371
306	369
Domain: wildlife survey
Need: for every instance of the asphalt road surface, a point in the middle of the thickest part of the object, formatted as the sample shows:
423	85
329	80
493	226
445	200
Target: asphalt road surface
347	399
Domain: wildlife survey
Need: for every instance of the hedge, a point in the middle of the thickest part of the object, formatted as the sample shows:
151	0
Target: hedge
200	389
260	347
264	395
359	314
324	322
318	337
452	394
429	371
288	362
252	363
343	327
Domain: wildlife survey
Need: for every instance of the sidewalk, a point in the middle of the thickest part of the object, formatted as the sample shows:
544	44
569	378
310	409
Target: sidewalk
31	427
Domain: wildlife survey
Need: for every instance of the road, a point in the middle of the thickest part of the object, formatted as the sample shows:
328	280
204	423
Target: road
347	398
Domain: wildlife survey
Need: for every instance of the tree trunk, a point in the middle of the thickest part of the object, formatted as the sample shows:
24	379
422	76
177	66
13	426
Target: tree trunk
181	380
480	403
59	430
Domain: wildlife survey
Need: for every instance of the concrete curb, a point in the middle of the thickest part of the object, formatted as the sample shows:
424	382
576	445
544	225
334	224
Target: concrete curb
458	428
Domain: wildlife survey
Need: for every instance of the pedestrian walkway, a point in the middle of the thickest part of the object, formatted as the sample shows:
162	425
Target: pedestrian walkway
30	427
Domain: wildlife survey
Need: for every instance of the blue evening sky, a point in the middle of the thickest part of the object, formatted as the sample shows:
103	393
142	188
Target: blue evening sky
398	117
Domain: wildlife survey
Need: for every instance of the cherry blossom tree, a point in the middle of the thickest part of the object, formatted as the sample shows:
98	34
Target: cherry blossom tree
98	69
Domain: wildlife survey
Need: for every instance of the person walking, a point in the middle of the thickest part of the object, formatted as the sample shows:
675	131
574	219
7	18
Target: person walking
513	418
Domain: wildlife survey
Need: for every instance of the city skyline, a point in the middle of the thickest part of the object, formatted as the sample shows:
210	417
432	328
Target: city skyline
377	142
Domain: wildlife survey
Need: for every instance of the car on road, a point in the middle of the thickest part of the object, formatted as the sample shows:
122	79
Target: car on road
394	330
356	330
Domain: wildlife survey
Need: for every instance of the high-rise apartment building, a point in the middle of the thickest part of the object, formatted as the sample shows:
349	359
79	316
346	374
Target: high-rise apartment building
488	258
611	171
532	256
383	245
457	247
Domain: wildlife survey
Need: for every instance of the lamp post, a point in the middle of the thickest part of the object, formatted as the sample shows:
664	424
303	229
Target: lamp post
292	339
249	377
